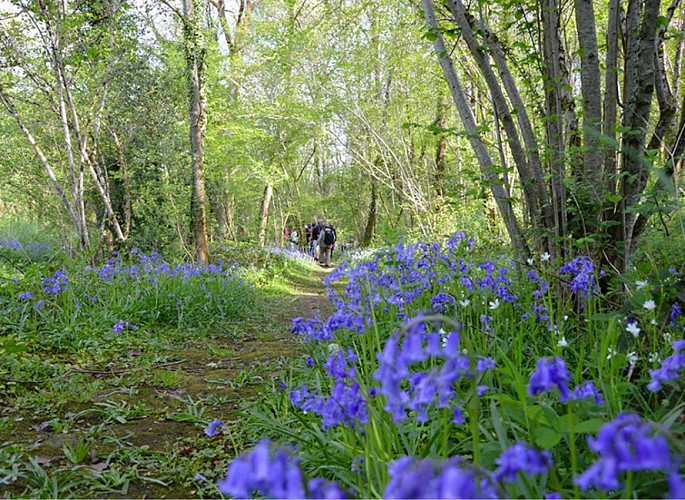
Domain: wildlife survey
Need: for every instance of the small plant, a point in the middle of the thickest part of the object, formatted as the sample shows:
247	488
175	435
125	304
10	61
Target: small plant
193	412
78	452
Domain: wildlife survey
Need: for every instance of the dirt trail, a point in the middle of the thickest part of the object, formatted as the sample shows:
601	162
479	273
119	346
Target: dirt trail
149	419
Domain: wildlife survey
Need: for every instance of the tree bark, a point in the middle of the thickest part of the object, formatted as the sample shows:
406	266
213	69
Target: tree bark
466	114
592	102
195	61
266	204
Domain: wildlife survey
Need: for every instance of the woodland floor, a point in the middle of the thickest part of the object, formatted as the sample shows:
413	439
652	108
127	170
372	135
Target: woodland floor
147	410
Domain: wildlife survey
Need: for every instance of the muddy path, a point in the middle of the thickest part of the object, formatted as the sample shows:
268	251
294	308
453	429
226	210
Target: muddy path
138	425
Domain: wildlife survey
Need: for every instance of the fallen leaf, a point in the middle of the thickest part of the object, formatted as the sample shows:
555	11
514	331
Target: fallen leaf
43	460
100	467
41	427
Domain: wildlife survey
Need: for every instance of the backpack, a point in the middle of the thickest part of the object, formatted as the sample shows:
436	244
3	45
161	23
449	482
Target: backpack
328	235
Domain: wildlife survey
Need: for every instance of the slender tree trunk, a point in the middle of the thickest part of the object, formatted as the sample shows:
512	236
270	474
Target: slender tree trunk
554	125
441	148
372	218
611	97
266	204
195	59
640	80
466	114
592	102
56	186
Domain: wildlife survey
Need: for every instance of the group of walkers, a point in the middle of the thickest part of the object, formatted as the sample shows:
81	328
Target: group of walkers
321	238
320	243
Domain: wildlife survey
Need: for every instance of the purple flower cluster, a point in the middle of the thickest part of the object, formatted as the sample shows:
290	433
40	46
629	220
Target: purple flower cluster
628	443
56	284
417	345
441	301
346	404
674	313
670	367
521	458
587	390
122	325
582	271
273	474
549	374
214	428
428	478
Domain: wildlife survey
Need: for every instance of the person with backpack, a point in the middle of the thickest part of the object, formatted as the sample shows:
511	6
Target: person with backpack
327	238
316	232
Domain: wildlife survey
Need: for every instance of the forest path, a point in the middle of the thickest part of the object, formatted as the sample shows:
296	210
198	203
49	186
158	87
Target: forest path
142	418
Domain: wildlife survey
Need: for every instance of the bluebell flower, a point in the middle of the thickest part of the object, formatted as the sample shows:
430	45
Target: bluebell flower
550	373
324	489
670	367
428	478
214	428
627	443
522	458
582	271
485	364
675	312
440	302
587	390
274	475
25	296
200	477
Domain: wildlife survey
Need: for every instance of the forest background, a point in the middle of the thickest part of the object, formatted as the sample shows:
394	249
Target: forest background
566	141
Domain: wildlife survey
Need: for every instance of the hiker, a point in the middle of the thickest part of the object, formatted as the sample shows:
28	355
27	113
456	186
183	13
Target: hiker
294	238
316	232
327	238
286	235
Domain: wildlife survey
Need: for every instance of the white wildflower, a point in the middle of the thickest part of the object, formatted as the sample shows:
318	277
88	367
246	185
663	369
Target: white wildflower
333	348
654	357
562	342
667	337
545	257
464	303
640	284
611	353
633	329
650	305
653	322
632	357
530	261
494	304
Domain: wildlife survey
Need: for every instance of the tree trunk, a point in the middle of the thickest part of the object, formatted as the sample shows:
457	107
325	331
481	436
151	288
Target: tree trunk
555	109
266	204
441	148
195	60
466	114
592	102
372	218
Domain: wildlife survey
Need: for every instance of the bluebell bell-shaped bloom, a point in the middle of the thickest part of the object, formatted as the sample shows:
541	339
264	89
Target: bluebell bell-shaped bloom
428	478
582	271
674	313
550	373
273	475
440	301
627	443
214	428
25	296
485	364
56	284
324	489
587	390
670	367
522	458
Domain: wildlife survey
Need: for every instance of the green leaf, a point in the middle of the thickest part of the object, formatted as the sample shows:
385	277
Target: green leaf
546	438
589	426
